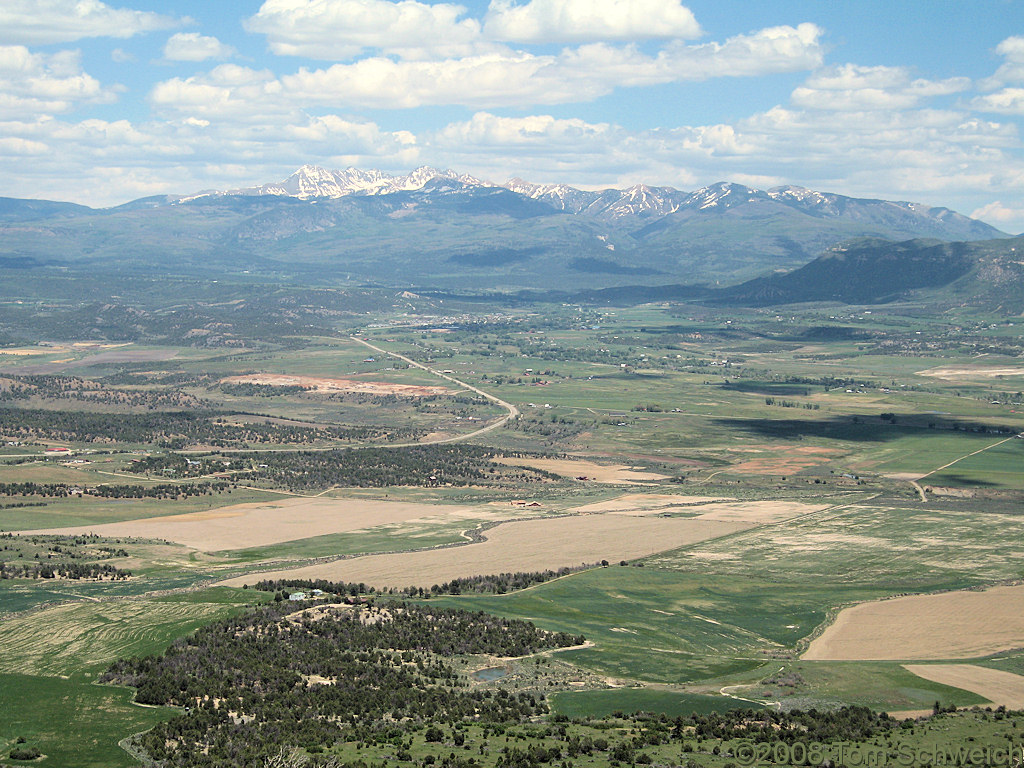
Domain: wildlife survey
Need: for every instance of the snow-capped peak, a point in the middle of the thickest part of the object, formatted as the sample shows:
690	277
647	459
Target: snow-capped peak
640	201
723	194
312	181
798	194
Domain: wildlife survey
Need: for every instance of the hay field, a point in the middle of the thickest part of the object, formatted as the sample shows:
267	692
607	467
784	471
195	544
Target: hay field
756	512
529	545
598	473
647	503
241	526
956	373
951	625
59	349
322	384
999	687
80	636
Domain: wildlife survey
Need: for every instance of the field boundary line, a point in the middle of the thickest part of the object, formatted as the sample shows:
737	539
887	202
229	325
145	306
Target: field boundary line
967	456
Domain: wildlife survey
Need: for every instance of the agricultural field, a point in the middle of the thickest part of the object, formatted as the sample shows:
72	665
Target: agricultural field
751	509
938	626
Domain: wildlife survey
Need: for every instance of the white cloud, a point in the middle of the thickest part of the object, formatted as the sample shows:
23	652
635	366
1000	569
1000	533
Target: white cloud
228	91
1008	101
853	88
489	80
999	215
35	22
121	56
335	30
36	83
191	46
18	147
560	21
110	162
1012	69
541	134
479	80
1008	94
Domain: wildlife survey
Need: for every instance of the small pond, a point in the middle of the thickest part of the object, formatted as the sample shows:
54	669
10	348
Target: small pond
490	674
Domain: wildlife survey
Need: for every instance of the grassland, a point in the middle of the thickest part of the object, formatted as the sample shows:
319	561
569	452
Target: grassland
71	720
660	626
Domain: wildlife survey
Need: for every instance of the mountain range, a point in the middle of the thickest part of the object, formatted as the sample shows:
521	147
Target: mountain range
443	229
638	202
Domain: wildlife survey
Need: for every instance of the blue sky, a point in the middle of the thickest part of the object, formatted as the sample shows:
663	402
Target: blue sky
101	103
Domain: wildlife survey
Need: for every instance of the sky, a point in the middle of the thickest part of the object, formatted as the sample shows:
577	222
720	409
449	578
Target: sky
919	100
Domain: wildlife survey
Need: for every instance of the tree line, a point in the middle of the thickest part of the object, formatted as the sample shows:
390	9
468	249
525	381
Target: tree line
496	584
424	465
159	491
62	570
171	429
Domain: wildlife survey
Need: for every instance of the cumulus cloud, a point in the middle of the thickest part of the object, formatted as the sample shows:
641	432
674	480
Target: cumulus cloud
853	88
1006	101
770	50
35	22
561	21
110	162
537	134
491	80
191	46
36	83
662	156
999	215
335	30
1007	84
1011	71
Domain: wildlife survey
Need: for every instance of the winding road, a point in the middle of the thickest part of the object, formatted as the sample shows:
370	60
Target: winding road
513	412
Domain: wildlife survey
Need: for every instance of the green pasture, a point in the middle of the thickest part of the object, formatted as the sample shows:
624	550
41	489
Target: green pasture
661	626
1001	466
1010	661
70	720
882	686
729	612
919	451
